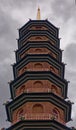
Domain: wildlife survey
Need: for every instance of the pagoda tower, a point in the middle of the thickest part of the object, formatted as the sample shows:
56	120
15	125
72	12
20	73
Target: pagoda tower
39	89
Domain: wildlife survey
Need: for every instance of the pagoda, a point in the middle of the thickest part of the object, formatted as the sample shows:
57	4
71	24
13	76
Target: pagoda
39	90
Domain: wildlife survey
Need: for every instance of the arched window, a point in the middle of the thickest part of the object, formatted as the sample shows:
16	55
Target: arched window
20	114
37	108
55	113
51	53
38	50
38	38
24	69
22	89
38	65
52	69
53	89
38	84
38	27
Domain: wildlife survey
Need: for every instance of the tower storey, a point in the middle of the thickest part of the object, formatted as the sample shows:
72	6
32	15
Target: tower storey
39	89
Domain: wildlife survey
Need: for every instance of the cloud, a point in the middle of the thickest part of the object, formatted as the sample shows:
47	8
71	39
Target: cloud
7	45
63	9
14	14
70	56
70	74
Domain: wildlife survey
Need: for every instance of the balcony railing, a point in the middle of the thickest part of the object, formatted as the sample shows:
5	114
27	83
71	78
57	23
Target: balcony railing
37	116
40	117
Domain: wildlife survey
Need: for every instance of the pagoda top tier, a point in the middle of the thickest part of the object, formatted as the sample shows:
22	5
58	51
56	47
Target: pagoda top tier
38	25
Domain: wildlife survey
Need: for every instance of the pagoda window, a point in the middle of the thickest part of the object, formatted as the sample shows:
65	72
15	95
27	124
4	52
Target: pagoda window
55	113
38	84
53	89
24	69
38	50
37	108
38	38
52	69
38	65
22	89
20	114
38	27
51	53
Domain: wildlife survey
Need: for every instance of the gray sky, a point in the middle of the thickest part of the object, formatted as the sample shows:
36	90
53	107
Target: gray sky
13	15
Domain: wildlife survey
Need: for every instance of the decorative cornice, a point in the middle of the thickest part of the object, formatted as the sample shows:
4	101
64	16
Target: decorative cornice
42	44
39	58
38	76
38	33
54	30
38	125
39	97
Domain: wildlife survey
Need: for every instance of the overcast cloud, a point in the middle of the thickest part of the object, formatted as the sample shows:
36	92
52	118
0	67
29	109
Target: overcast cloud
13	15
